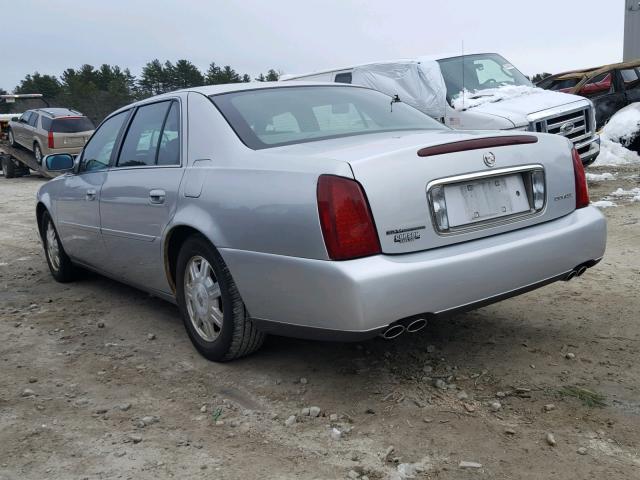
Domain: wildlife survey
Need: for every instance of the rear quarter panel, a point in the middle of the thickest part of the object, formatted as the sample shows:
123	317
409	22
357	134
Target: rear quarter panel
250	200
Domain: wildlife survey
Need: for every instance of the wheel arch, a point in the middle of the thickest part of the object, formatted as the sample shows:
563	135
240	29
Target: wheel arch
41	208
174	239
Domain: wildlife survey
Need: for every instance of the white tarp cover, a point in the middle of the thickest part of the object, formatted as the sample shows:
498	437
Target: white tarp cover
419	84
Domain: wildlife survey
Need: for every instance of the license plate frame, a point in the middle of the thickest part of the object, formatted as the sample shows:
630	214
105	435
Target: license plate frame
439	210
485	199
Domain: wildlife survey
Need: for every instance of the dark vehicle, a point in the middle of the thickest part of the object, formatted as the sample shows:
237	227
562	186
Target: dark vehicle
610	87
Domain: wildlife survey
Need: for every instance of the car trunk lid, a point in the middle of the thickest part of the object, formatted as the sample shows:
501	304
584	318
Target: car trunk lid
396	180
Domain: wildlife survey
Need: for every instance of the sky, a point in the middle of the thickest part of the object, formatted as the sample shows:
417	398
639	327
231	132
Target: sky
299	36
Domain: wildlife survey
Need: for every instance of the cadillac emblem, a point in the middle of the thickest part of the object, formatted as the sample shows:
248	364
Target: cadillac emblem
489	159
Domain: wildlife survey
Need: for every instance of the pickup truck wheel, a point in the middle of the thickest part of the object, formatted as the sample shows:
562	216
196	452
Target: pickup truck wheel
213	312
37	153
12	139
8	167
59	263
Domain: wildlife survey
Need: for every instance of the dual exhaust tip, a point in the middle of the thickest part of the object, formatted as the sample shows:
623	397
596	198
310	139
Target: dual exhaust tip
404	326
576	272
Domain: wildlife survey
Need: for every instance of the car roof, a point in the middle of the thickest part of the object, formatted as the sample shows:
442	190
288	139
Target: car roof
56	112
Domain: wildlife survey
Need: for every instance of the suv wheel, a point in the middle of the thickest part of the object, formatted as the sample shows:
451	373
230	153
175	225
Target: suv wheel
12	138
8	167
59	263
213	311
37	153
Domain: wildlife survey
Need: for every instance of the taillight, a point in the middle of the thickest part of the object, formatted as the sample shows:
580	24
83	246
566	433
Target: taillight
582	191
50	138
345	218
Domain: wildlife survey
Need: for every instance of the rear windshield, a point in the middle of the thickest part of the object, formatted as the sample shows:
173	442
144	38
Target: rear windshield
274	117
71	125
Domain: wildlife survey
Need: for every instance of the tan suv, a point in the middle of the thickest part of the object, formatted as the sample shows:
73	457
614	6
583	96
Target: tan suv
50	130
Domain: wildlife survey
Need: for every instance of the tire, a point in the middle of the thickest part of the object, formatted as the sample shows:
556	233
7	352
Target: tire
213	293
37	153
12	139
59	263
8	167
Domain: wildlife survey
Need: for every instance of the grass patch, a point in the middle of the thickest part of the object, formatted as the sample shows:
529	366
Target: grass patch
587	397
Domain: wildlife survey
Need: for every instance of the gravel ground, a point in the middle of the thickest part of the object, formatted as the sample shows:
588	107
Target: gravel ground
99	380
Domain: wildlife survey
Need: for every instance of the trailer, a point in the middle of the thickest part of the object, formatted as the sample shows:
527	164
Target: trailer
16	161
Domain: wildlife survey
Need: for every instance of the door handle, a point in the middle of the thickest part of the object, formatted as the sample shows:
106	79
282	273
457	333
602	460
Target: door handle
91	194
157	196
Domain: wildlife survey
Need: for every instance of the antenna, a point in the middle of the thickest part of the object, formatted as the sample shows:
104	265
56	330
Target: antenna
463	84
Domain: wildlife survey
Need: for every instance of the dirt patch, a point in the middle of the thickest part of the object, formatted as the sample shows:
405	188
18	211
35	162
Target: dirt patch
87	392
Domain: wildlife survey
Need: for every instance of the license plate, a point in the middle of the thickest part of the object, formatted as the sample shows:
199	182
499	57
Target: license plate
489	198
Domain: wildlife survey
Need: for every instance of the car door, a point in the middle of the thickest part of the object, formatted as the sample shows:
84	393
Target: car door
77	206
140	194
19	128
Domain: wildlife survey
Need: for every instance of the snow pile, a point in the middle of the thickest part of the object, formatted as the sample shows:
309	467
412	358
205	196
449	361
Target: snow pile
633	194
600	177
466	99
624	125
604	204
618	132
612	153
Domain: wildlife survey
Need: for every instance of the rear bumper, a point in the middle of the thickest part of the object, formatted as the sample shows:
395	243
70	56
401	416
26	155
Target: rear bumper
69	150
359	298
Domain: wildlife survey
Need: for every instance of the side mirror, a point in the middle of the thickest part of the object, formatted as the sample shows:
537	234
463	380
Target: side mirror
58	162
15	119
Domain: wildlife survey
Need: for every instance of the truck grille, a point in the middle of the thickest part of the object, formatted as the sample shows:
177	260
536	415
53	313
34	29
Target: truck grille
575	125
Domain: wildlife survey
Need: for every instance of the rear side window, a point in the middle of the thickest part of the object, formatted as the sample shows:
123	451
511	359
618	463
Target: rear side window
97	153
153	137
33	120
71	125
343	77
46	123
630	78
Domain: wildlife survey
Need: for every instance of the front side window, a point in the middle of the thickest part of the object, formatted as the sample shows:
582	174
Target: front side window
273	117
479	72
24	118
140	146
97	153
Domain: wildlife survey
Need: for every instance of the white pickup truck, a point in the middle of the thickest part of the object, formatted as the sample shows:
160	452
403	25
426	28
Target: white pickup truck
475	92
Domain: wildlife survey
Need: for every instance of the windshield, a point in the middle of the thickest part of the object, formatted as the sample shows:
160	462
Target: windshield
479	72
273	117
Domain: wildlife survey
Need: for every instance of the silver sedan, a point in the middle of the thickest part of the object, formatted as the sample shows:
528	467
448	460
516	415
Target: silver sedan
314	210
